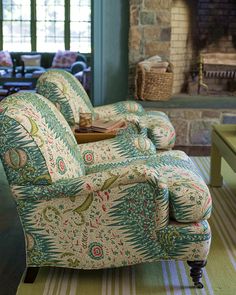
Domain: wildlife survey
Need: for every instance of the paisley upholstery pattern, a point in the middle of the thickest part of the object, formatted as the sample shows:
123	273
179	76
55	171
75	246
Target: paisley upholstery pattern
66	92
96	209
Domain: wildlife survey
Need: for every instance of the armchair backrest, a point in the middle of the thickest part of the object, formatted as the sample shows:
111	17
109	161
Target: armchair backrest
37	145
66	92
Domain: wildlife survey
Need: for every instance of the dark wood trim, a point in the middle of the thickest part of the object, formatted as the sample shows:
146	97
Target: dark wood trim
1	22
33	24
31	274
67	25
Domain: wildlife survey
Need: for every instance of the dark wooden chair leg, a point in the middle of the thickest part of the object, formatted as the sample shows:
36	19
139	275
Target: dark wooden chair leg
31	274
196	272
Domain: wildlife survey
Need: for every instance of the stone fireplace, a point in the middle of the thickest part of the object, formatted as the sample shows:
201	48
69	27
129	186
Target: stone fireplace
178	31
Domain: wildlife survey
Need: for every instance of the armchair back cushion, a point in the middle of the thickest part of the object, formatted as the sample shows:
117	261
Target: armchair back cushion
66	92
36	147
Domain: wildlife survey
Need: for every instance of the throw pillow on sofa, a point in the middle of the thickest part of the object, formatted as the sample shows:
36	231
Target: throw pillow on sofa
31	60
64	59
5	59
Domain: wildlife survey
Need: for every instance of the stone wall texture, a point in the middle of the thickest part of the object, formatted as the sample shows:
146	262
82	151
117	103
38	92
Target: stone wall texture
176	30
150	32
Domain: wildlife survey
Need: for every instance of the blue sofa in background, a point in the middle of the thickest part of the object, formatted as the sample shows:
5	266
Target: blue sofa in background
79	65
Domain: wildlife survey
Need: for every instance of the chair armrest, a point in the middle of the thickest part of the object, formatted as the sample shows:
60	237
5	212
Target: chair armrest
108	185
116	164
78	66
119	148
120	108
91	183
81	57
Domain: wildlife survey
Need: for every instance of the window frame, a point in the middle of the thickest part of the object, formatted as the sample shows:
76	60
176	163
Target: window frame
33	25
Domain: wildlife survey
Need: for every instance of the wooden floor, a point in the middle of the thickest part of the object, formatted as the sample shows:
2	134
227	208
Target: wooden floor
12	247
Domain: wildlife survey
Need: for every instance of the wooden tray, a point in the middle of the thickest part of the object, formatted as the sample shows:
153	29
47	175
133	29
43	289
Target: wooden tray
83	137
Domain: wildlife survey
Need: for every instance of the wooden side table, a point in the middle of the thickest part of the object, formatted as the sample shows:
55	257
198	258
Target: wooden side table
223	145
83	137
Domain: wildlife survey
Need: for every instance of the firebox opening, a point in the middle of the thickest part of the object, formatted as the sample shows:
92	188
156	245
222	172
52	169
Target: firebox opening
199	27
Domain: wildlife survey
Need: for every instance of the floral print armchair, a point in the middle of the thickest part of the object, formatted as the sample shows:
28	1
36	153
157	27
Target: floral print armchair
66	92
91	211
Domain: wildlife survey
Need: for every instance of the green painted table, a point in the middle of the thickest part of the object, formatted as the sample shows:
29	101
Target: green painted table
223	146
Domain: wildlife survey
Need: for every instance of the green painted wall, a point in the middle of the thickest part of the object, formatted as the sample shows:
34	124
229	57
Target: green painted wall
110	50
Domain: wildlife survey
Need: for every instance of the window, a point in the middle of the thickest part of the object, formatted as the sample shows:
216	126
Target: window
80	21
16	25
45	25
50	16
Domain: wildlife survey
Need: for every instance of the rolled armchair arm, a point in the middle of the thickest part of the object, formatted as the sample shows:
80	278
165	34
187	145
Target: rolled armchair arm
91	183
119	108
78	66
119	148
139	182
116	164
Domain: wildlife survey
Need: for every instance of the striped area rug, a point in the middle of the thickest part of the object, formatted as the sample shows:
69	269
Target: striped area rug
162	278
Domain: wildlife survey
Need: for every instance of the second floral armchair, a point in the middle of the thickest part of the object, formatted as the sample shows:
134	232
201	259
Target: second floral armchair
66	92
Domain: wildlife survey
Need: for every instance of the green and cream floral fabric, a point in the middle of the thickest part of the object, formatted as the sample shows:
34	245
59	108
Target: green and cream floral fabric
48	155
119	148
62	89
121	107
66	92
115	217
189	197
91	210
158	129
37	145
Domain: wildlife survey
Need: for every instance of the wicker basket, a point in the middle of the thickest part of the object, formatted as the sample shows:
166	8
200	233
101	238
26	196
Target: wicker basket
153	85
